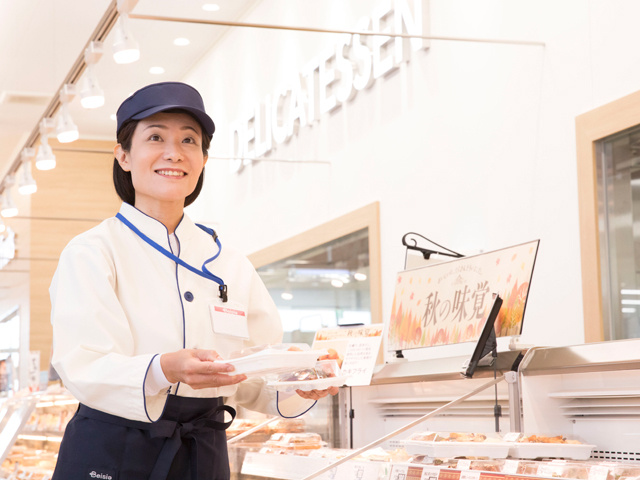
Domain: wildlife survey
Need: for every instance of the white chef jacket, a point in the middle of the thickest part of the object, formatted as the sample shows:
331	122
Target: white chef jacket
117	303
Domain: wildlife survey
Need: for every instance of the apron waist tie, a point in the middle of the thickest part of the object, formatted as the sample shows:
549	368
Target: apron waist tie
173	431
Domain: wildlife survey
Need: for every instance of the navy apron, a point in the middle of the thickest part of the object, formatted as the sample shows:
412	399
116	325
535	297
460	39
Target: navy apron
188	442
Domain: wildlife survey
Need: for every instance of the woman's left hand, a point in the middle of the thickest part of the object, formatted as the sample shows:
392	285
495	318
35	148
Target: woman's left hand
317	394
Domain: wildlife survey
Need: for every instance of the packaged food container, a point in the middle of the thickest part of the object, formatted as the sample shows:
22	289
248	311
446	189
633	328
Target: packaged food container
607	470
324	374
560	469
294	442
494	465
273	359
456	444
531	446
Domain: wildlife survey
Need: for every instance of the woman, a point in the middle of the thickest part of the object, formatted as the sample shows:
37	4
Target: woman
138	317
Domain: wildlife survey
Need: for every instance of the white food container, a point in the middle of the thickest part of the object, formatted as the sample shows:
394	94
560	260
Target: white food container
490	448
273	361
550	450
326	374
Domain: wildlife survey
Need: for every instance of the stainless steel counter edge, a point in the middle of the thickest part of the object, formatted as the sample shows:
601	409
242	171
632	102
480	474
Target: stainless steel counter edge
437	369
588	357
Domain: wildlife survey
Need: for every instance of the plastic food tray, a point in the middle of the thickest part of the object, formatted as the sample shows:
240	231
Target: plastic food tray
306	385
550	450
457	449
272	361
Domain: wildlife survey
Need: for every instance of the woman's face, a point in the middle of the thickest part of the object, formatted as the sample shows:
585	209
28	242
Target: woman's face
165	161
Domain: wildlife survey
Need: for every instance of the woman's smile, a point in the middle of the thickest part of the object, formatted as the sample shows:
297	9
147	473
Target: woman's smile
171	173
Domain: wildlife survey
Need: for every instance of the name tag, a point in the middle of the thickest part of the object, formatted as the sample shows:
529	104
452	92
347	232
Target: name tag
230	319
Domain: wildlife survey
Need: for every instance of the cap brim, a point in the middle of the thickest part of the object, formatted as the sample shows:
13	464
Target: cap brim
204	119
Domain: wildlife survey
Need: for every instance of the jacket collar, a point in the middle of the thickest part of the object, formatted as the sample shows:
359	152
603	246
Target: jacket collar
154	229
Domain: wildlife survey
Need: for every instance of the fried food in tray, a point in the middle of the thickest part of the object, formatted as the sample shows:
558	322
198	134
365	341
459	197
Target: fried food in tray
547	439
324	374
453	437
282	425
530	446
293	443
457	444
461	437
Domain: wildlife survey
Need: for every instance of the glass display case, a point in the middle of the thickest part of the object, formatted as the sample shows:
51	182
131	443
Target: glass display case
31	429
579	420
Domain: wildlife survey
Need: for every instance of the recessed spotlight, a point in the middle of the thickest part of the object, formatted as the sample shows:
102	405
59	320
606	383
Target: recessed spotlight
211	7
113	117
156	70
181	42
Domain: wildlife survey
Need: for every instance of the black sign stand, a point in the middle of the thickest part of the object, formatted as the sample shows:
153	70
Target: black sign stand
487	344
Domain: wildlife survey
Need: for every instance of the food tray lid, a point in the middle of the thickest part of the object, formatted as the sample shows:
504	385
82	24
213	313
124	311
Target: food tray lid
272	361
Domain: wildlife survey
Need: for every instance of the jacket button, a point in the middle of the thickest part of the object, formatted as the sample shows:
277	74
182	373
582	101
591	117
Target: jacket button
188	296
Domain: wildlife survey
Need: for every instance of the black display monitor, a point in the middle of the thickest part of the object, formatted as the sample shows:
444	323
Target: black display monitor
487	341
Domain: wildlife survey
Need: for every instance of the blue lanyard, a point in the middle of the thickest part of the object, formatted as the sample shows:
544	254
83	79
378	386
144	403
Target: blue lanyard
205	273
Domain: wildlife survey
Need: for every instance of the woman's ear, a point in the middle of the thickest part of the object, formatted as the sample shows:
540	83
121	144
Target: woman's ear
122	157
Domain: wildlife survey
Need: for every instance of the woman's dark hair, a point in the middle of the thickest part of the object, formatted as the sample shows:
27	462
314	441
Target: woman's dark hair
122	180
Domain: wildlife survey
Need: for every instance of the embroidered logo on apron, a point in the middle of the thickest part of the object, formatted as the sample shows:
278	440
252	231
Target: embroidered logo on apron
101	475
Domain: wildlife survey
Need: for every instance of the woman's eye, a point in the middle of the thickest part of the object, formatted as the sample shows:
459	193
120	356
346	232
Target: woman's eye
154	138
189	140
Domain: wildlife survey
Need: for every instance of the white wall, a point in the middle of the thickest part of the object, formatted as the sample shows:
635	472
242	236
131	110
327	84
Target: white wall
471	144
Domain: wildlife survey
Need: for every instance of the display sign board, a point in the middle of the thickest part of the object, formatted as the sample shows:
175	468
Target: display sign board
449	302
354	348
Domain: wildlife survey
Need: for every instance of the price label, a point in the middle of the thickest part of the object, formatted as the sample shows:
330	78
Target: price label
470	475
598	472
430	473
464	464
510	466
550	470
398	472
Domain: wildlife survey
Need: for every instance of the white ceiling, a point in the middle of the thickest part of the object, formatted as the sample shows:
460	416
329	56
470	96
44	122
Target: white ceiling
41	40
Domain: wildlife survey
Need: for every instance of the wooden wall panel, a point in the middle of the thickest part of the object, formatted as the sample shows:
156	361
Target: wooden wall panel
71	198
591	127
365	217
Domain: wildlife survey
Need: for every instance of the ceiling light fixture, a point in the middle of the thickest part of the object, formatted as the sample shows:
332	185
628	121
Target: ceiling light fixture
181	42
156	70
91	95
210	7
9	208
27	184
66	130
45	159
337	283
125	47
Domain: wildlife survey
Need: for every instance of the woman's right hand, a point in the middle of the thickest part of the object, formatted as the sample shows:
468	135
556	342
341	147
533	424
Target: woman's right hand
197	369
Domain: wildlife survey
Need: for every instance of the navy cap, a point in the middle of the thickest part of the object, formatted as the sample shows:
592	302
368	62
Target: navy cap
159	97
